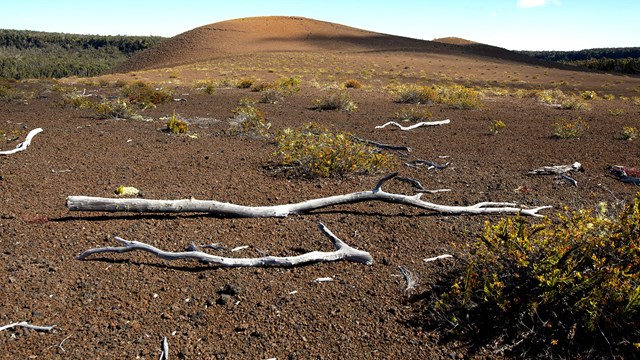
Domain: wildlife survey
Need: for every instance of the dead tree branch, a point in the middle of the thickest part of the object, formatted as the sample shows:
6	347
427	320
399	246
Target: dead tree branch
23	145
430	165
382	146
26	325
343	252
87	203
557	170
414	126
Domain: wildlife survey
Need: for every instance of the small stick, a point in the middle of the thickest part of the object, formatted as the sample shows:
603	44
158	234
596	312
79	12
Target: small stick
409	278
430	165
382	146
26	325
444	256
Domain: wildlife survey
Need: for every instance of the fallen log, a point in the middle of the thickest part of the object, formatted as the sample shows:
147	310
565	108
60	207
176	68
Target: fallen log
343	252
217	208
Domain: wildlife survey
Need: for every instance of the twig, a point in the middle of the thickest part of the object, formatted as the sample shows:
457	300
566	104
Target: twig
342	252
430	165
382	146
557	169
23	145
444	256
418	186
572	181
165	349
26	325
409	278
414	126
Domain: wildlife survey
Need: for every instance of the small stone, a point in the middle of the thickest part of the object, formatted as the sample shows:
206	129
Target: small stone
223	299
230	289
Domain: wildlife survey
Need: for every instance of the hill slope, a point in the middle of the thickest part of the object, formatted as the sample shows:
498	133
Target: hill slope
284	34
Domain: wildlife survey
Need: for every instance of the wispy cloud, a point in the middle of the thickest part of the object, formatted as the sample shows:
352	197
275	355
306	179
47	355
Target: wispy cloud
535	3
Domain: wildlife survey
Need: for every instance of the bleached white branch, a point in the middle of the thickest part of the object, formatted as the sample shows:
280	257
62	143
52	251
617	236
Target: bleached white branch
557	169
87	203
342	252
23	145
165	349
26	325
414	126
444	256
409	278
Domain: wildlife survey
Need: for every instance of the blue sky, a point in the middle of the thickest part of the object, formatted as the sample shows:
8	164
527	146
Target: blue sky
512	24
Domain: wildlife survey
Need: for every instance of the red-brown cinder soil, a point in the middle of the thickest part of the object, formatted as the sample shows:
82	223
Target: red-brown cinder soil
121	305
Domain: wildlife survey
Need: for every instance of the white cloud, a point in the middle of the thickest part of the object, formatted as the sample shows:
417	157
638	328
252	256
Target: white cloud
535	3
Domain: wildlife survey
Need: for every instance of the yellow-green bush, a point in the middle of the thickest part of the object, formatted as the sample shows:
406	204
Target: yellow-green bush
248	119
629	133
566	129
568	286
496	126
176	126
336	100
413	114
144	95
313	152
454	96
413	94
116	109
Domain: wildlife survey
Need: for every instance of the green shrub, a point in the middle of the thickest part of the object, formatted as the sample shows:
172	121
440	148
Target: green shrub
314	152
176	126
629	133
558	98
496	126
245	83
566	287
413	114
250	120
616	112
336	100
271	96
117	109
454	96
144	95
288	85
77	101
413	94
566	129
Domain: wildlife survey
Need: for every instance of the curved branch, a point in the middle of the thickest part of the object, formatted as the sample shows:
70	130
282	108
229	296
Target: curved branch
26	325
23	145
414	126
343	252
87	203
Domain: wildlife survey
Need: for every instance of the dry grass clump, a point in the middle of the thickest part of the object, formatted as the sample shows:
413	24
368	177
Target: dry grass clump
116	109
496	126
313	152
559	99
564	287
144	95
454	96
352	84
336	100
413	114
250	120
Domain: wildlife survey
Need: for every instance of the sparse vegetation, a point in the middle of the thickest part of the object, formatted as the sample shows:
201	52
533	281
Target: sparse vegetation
566	286
352	84
313	152
496	126
616	112
454	96
176	126
558	98
566	129
116	109
144	95
336	100
250	120
629	133
413	114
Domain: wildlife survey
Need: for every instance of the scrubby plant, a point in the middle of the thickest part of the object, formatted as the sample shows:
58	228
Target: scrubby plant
117	109
558	98
244	83
144	95
176	126
459	97
565	287
336	100
250	120
271	96
589	95
616	112
207	86
496	126
413	114
609	97
352	84
629	133
313	152
566	129
636	100
288	85
413	94
77	101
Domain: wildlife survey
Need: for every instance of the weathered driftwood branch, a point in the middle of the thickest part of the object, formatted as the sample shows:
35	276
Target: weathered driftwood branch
414	126
342	252
26	325
87	203
23	145
382	146
557	170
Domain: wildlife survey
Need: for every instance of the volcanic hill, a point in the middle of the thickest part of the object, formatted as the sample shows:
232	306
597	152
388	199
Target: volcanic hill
295	34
